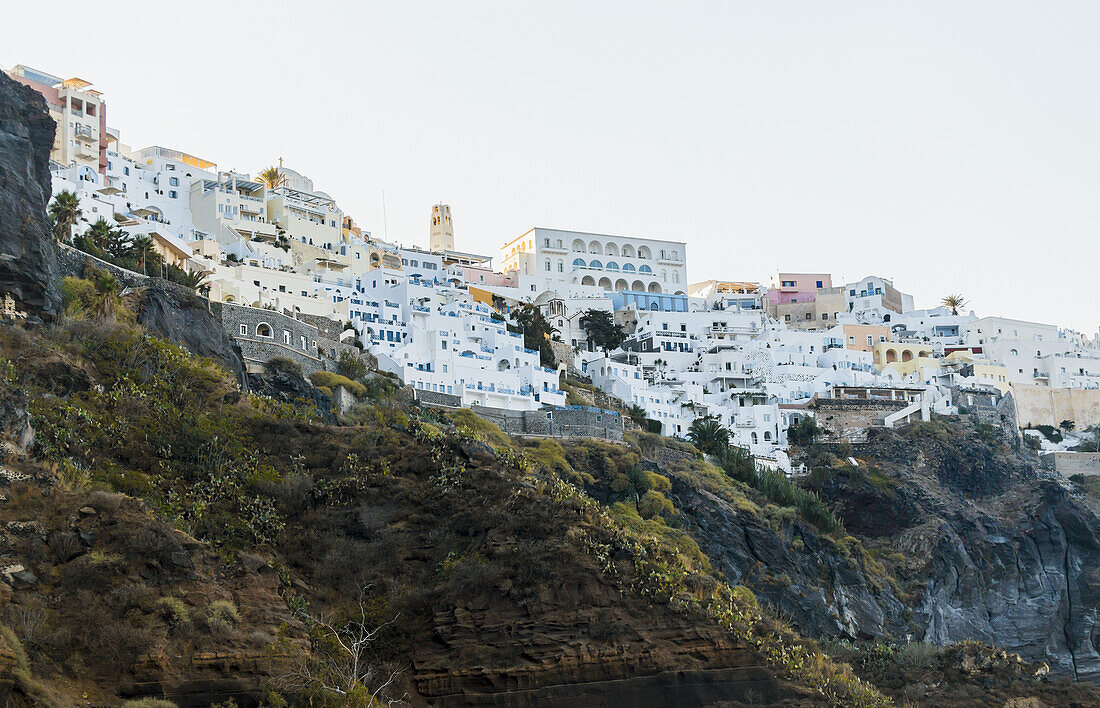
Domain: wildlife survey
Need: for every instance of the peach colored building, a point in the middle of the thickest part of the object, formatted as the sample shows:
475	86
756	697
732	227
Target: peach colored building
863	338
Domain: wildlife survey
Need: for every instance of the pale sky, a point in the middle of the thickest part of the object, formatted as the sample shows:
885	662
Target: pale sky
949	146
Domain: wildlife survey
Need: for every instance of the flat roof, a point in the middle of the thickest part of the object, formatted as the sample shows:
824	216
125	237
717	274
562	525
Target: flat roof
597	235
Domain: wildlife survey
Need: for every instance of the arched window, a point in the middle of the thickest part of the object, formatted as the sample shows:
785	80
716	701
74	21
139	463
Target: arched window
578	246
676	276
612	265
595	264
654	287
643	252
264	330
547	264
578	263
588	280
767	436
645	269
561	266
754	438
605	283
620	285
594	247
1013	352
638	286
627	251
628	267
611	250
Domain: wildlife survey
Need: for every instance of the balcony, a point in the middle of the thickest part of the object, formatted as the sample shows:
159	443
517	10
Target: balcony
83	133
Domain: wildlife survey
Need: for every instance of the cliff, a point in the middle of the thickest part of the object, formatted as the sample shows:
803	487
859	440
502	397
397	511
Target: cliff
28	267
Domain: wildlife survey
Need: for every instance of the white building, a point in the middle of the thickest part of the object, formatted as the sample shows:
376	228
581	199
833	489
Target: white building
554	259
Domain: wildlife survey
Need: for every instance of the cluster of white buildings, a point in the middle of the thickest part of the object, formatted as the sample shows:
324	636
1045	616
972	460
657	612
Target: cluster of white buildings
752	355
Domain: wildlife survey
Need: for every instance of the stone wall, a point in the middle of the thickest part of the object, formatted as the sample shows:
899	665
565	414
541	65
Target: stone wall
558	422
849	419
434	398
72	261
1070	463
1042	405
991	408
258	350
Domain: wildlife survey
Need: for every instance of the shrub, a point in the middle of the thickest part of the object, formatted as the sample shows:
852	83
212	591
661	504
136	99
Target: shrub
653	503
222	616
173	611
283	364
328	379
351	366
148	703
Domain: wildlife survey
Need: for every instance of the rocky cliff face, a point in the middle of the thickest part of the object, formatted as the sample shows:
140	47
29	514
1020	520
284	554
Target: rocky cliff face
960	538
170	311
28	266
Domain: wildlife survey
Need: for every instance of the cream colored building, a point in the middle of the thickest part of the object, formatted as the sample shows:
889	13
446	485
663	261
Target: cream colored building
80	113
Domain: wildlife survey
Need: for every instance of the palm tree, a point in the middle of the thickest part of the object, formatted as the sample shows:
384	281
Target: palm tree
100	234
709	436
65	213
954	302
106	302
142	249
272	177
194	279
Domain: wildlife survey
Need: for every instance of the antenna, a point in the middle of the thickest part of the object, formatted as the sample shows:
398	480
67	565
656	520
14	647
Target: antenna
385	223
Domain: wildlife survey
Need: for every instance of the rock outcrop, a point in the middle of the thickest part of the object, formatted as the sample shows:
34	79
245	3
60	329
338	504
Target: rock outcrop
170	311
28	258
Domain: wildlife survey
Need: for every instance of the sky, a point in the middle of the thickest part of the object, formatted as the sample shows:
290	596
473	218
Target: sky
952	147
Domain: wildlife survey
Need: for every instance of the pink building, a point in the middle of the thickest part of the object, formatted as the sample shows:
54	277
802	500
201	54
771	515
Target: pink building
475	275
797	287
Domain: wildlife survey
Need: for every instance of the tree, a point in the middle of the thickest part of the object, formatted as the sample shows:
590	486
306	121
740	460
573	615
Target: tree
106	301
99	234
954	302
338	665
65	213
1067	425
351	366
602	330
142	253
536	330
802	432
272	177
193	279
709	436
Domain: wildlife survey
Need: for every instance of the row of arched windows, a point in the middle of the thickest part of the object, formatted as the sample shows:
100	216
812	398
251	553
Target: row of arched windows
611	265
611	249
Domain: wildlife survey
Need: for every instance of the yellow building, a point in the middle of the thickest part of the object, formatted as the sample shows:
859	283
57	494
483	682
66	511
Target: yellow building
895	352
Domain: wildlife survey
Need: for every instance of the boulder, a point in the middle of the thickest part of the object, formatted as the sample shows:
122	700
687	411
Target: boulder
171	311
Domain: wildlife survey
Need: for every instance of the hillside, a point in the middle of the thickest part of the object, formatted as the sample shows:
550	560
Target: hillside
171	529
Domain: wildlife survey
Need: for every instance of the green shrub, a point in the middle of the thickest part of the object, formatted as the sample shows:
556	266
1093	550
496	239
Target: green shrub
222	616
174	611
351	366
653	503
328	379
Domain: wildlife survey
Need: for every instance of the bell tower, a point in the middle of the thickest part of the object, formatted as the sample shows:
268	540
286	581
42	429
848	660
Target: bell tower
442	232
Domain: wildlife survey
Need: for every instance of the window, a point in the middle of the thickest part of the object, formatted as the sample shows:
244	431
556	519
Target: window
174	181
852	293
787	284
786	318
172	194
819	284
548	264
244	330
